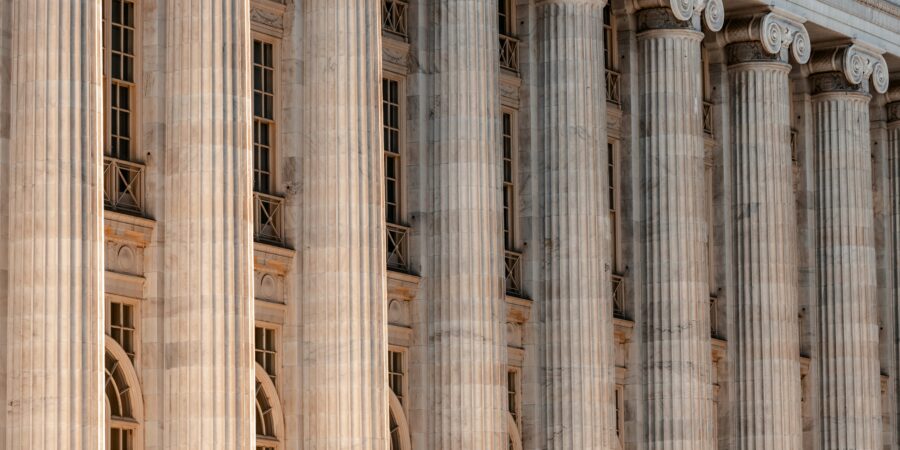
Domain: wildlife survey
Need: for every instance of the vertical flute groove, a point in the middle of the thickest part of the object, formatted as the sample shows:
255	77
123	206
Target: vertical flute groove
466	286
677	349
767	369
578	322
209	398
850	375
342	310
54	397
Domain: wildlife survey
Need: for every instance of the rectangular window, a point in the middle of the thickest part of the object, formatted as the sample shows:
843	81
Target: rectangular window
263	115
508	186
119	62
613	205
391	129
504	12
395	373
266	350
620	415
609	38
121	326
512	393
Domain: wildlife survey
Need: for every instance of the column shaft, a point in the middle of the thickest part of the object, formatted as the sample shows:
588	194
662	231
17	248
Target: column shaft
766	342
5	61
676	290
848	326
893	156
465	280
342	286
54	398
578	320
209	367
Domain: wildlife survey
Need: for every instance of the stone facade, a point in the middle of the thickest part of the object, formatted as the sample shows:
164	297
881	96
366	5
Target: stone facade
450	224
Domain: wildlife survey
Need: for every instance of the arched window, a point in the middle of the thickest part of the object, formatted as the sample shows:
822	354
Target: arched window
269	418
399	427
124	404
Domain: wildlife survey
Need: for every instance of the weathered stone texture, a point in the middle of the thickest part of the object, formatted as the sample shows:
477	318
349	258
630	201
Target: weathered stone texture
55	396
578	323
209	371
466	249
341	287
678	363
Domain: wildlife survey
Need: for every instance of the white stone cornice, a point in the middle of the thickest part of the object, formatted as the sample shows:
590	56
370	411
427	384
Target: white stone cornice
713	10
855	62
774	32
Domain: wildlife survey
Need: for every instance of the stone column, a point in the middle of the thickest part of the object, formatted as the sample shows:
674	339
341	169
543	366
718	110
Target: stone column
465	274
850	386
5	47
893	211
578	320
208	309
677	363
55	380
342	279
765	344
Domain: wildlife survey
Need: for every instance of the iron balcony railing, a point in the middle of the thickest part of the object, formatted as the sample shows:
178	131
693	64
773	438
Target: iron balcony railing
514	273
397	245
708	119
618	295
393	17
509	53
268	218
123	185
613	89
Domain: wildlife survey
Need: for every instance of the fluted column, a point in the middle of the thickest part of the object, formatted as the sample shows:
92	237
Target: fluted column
678	362
578	311
208	317
850	387
893	187
766	339
465	277
342	286
55	335
5	61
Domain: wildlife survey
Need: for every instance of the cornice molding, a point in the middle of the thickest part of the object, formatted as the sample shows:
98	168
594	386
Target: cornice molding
882	5
856	63
774	33
713	11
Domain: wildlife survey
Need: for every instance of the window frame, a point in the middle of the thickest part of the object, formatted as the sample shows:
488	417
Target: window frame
135	304
612	46
514	178
135	124
510	18
277	336
613	165
516	412
404	358
401	146
274	148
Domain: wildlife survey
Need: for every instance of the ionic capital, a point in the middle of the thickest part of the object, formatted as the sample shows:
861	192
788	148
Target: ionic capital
768	34
855	63
713	11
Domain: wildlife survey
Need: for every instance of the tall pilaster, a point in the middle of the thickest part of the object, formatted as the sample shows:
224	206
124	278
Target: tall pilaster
677	363
55	335
465	286
578	317
342	285
766	345
848	360
208	307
